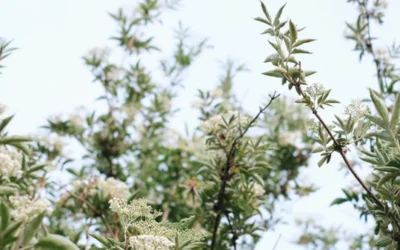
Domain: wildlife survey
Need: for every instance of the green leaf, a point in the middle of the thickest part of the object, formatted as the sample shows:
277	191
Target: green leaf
300	51
54	241
260	19
277	48
258	179
309	72
377	120
5	216
274	73
11	229
293	32
303	41
383	241
7	190
5	122
338	201
322	160
265	12
32	227
396	113
101	239
278	15
272	58
379	106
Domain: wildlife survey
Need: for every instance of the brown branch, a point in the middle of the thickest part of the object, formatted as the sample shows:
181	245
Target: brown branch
91	207
338	147
229	163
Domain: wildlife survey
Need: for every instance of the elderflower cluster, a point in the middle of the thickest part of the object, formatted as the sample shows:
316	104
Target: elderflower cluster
100	54
111	188
217	93
114	188
315	90
25	209
10	163
150	242
135	209
215	124
356	109
256	188
288	138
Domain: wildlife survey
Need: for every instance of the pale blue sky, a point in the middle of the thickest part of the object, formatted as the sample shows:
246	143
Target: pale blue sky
46	75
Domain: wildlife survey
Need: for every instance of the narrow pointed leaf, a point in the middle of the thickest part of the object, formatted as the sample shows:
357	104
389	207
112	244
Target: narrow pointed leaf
396	113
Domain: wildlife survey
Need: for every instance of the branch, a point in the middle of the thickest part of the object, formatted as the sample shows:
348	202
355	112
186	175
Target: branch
230	156
369	45
91	207
336	144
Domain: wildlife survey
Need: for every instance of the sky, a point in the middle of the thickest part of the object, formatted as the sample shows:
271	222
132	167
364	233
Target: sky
46	74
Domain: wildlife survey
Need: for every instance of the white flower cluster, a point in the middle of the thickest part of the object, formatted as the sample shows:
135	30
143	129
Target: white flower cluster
26	209
3	108
114	188
315	90
217	93
98	54
256	188
356	109
135	209
215	123
150	242
288	138
10	163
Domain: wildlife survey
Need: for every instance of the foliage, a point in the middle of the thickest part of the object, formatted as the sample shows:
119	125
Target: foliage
135	181
380	127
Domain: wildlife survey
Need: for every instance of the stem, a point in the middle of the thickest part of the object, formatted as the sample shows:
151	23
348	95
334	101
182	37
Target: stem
369	45
229	163
337	145
234	237
90	206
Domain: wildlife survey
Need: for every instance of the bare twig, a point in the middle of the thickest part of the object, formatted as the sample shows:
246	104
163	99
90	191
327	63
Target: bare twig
277	241
229	163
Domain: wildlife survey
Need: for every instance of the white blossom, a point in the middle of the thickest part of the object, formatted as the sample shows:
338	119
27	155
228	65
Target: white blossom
98	53
356	109
213	125
10	162
150	242
114	188
315	90
26	209
258	189
198	104
288	138
217	93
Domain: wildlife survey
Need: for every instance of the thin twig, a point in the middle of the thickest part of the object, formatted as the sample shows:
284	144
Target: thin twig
277	241
369	45
337	145
229	163
234	237
95	211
